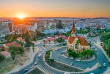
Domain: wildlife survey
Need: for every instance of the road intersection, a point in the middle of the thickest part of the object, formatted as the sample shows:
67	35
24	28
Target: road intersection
100	57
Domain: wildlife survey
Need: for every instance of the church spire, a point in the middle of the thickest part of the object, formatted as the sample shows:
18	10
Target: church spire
73	31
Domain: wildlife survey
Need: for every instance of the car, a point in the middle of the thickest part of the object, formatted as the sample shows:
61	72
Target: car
36	63
91	73
62	52
78	60
25	70
66	57
96	49
38	56
71	58
104	64
71	63
99	66
63	46
56	49
66	73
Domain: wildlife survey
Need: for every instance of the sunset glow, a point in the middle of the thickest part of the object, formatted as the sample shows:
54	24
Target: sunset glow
56	8
21	17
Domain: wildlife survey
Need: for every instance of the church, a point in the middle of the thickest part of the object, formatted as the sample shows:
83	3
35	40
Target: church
77	43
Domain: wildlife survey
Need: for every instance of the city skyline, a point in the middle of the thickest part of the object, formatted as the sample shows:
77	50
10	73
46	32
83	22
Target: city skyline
55	8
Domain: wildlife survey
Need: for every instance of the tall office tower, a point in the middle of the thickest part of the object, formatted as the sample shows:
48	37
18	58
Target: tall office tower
35	25
10	25
59	24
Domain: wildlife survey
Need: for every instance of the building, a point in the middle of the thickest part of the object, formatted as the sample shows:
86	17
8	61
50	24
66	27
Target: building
77	43
12	43
20	39
6	54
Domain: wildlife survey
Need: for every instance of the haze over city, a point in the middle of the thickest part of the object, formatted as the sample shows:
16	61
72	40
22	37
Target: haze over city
55	8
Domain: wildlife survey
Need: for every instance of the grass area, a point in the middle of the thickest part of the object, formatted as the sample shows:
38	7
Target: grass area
6	65
36	70
58	65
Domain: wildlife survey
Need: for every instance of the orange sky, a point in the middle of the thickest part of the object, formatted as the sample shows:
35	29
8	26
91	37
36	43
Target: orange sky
55	8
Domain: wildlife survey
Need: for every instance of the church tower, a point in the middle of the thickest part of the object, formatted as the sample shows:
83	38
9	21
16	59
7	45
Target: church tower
73	31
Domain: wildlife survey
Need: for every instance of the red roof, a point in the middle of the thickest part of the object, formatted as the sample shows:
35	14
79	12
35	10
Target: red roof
83	41
66	38
56	36
61	35
5	49
45	41
14	43
99	26
23	40
53	39
71	39
5	53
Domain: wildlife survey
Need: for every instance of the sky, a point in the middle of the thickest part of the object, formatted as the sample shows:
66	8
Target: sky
55	8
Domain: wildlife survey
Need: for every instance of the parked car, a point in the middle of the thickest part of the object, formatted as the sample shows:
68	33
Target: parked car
66	73
78	60
66	57
38	56
25	70
104	64
36	63
62	52
71	63
56	49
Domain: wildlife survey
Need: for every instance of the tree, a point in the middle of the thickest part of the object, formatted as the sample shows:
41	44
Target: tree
49	41
72	54
55	41
86	53
2	49
77	44
13	53
1	57
108	49
11	37
68	33
60	40
17	49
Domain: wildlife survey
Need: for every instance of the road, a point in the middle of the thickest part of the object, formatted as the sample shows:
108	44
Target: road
100	57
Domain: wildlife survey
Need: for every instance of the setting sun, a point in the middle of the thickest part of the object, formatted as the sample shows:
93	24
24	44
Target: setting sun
21	17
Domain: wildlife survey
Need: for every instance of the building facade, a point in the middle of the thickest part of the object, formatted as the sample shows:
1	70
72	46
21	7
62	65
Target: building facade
77	43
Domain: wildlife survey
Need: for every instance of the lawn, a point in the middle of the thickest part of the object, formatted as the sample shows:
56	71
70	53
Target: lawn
36	70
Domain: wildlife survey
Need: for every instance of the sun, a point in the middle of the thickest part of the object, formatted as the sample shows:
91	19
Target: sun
21	17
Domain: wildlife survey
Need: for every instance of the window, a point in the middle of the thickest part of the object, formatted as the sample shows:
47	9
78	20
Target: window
76	46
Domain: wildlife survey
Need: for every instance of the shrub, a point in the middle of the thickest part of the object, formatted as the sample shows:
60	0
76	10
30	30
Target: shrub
1	57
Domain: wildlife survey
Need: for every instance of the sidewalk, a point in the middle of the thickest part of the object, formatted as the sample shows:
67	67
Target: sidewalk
27	62
108	71
98	45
